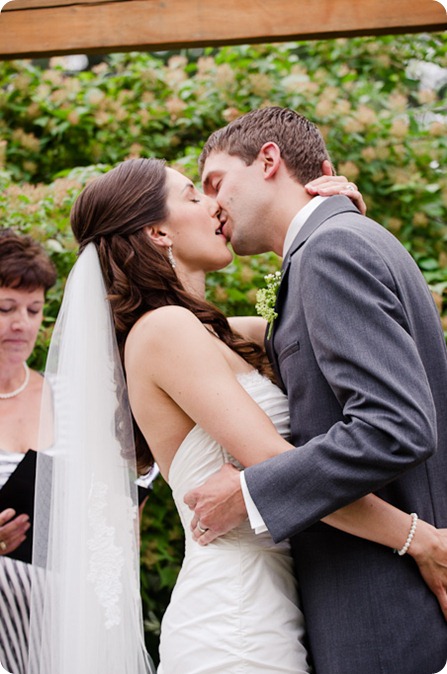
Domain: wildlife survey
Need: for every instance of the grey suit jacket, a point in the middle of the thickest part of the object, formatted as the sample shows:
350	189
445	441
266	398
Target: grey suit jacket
359	350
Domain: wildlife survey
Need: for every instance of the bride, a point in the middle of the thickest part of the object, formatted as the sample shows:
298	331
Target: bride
201	395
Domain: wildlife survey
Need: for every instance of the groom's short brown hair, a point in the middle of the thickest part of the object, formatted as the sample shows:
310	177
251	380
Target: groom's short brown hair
301	143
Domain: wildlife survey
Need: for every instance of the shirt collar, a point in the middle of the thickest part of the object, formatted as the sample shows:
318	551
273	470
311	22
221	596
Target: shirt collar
299	220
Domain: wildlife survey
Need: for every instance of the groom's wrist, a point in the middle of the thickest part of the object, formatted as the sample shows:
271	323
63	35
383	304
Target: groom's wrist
254	516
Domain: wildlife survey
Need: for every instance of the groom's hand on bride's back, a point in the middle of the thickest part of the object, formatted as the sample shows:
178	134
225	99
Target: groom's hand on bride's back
218	505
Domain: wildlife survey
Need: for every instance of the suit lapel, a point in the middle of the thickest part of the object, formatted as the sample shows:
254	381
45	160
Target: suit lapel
328	209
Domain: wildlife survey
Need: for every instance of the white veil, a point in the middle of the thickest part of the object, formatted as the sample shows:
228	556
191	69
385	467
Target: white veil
86	608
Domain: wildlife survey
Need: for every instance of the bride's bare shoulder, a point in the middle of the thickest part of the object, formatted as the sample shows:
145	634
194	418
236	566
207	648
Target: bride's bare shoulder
164	325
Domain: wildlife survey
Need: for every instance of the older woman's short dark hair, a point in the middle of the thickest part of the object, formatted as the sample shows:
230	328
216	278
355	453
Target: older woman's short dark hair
24	264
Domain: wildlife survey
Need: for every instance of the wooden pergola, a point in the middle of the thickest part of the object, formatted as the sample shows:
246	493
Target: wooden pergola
39	28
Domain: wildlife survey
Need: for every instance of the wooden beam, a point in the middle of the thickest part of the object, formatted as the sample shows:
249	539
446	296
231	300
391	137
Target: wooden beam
36	28
14	5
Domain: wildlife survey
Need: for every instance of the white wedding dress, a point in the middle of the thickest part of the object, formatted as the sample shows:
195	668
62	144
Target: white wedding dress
234	608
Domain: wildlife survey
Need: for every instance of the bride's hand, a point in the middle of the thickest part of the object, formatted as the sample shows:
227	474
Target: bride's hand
429	550
328	186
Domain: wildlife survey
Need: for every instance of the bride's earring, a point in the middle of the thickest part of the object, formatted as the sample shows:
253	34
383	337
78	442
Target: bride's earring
171	257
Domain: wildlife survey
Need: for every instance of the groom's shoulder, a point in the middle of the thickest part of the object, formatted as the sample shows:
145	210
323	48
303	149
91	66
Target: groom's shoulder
339	211
351	235
345	218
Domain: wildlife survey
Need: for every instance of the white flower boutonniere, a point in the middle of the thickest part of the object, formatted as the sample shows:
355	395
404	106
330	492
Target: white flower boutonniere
266	299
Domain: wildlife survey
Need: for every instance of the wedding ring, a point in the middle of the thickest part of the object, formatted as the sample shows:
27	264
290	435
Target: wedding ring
201	529
3	546
350	187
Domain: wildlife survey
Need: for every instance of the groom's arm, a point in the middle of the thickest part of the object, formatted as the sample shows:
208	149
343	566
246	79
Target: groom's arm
219	505
362	342
366	354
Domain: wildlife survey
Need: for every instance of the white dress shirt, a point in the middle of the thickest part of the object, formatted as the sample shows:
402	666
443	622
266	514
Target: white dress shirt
254	516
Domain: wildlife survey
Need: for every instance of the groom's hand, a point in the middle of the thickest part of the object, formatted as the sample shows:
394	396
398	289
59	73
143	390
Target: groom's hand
218	505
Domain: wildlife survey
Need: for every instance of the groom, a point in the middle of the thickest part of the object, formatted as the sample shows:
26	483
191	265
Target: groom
358	348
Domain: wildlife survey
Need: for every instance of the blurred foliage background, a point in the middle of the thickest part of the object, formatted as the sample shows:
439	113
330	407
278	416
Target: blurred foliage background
381	104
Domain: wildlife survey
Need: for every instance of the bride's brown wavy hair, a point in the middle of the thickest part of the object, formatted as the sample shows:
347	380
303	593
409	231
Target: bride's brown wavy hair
113	212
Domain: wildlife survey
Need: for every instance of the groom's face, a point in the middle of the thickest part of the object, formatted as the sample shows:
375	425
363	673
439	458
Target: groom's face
240	191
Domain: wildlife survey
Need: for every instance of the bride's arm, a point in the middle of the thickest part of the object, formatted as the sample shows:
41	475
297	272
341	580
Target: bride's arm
171	351
249	327
376	520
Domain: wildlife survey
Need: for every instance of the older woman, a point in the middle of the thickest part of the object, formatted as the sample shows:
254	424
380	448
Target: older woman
26	273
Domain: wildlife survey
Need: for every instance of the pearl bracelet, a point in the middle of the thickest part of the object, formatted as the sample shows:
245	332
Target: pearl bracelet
414	521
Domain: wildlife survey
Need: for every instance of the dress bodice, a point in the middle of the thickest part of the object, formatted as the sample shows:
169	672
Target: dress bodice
199	455
234	607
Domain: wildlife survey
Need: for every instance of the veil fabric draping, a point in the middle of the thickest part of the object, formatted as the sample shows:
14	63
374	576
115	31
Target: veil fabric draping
87	619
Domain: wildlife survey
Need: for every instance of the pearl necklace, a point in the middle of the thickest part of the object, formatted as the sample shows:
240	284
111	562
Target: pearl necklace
22	387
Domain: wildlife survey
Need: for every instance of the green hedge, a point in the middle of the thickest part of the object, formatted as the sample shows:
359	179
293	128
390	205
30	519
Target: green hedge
384	122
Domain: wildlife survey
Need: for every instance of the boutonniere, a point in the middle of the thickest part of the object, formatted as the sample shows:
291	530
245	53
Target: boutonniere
266	300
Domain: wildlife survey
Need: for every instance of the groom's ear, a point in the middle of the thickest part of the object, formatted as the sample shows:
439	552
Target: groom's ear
327	169
158	236
270	157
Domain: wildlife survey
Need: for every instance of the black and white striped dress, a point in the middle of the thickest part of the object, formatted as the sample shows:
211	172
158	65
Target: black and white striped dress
15	593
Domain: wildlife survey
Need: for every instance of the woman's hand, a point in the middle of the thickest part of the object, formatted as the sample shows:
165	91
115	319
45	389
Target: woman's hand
12	530
328	186
429	550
